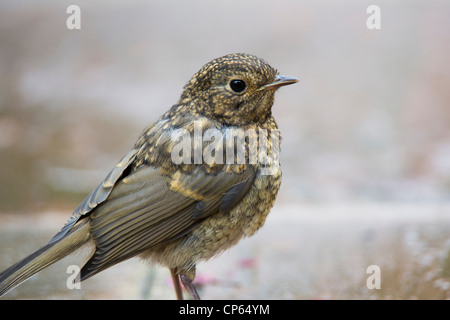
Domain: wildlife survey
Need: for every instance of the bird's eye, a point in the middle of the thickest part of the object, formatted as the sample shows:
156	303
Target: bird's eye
237	85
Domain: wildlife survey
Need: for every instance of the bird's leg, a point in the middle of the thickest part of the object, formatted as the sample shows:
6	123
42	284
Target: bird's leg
176	283
189	286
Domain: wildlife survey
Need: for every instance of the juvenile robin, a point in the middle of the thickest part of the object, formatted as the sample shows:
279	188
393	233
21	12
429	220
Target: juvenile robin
172	199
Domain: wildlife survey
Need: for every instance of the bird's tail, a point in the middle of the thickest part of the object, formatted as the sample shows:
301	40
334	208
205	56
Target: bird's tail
43	257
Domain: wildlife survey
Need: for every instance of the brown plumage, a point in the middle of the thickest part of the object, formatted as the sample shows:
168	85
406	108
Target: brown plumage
178	213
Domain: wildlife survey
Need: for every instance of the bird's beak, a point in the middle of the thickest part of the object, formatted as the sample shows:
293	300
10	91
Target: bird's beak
279	81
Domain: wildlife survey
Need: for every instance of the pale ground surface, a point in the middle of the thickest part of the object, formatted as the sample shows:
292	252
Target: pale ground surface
303	252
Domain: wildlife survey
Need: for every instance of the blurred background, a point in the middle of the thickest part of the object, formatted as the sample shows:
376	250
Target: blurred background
365	150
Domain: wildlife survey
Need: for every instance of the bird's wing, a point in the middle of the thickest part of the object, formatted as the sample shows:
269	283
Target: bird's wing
148	207
99	194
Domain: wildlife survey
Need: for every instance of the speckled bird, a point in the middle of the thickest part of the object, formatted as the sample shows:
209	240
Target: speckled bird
177	214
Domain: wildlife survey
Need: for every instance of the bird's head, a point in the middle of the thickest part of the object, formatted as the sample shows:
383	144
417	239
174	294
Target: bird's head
235	89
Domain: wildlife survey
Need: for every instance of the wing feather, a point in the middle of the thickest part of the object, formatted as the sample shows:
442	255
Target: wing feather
148	207
99	195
